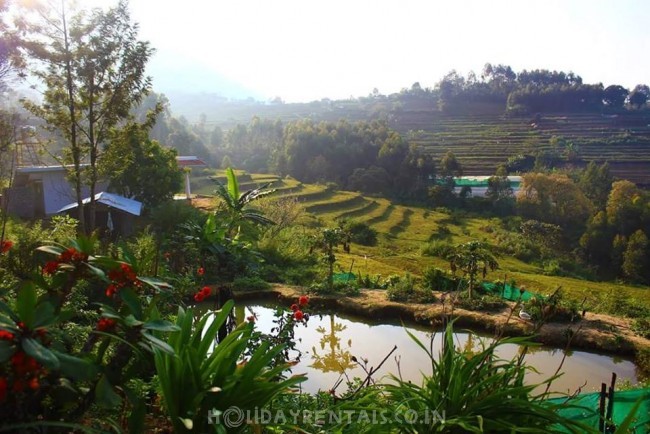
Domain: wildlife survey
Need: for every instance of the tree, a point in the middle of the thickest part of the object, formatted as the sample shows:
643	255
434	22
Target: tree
553	199
139	168
614	96
596	183
450	166
636	263
624	207
499	192
596	242
6	46
639	96
471	258
326	241
92	67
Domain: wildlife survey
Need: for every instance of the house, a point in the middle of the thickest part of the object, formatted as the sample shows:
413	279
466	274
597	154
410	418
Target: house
114	214
41	191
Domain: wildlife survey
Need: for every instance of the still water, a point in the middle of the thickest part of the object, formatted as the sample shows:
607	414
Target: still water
329	341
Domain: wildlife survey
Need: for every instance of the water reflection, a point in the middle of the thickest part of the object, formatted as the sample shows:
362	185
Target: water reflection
329	343
332	358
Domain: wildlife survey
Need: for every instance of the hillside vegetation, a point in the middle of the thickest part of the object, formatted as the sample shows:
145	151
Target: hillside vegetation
406	235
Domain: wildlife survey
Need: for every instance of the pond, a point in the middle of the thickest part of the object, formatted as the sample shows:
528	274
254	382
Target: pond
329	341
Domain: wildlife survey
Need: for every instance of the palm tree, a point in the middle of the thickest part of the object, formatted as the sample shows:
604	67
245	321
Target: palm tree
235	206
471	258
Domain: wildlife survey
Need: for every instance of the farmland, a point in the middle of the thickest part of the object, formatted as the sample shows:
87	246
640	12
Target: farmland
404	231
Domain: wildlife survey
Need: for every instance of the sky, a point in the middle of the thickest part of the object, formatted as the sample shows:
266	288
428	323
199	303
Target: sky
305	50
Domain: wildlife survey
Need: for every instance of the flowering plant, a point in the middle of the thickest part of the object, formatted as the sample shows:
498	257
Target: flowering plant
43	371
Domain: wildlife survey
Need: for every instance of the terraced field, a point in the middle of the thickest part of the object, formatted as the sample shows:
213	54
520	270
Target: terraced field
484	141
404	231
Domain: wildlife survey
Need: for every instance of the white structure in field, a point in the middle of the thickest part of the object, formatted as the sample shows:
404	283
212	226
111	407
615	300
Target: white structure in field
479	184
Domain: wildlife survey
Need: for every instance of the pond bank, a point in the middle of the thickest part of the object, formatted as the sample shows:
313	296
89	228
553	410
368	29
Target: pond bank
596	332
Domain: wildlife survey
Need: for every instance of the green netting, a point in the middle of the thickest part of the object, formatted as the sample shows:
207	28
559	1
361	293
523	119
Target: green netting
344	277
508	291
584	409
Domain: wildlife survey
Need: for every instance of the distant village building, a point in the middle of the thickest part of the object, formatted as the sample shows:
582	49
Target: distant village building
41	191
187	163
479	184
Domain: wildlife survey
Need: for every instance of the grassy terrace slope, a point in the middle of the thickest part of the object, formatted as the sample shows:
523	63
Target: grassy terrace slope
484	141
403	231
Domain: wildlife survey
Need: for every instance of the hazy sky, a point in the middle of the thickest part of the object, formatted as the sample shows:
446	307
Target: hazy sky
304	50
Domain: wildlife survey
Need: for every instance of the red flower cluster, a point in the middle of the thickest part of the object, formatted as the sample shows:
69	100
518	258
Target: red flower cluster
202	294
106	324
298	314
26	373
200	271
5	246
68	256
121	277
6	336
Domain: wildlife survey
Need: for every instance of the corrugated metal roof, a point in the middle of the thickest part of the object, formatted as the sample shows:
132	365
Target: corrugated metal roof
183	161
113	200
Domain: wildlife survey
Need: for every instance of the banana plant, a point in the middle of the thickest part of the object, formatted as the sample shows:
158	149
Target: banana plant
236	206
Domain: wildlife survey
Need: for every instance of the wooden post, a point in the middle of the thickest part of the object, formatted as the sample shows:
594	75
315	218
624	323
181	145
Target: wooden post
601	408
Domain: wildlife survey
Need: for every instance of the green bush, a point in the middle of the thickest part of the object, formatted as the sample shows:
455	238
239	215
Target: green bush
641	326
250	283
405	289
437	248
360	232
485	302
435	279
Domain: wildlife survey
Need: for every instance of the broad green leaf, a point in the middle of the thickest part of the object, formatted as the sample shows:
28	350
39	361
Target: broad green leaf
7	311
75	367
156	284
161	325
26	304
132	300
158	343
43	355
105	395
54	250
130	321
6	351
44	314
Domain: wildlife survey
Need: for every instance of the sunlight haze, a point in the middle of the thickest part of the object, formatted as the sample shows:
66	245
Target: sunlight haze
303	51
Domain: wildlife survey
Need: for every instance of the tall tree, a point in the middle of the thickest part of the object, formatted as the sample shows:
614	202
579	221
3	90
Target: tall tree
596	183
614	96
639	96
635	259
139	167
92	67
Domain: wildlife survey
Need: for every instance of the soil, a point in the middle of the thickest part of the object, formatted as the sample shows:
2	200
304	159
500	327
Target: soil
596	332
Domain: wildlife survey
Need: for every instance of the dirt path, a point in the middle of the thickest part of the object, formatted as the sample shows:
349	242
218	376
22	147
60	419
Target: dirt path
598	332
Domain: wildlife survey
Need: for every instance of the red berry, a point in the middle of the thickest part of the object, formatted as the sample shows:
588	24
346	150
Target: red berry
298	315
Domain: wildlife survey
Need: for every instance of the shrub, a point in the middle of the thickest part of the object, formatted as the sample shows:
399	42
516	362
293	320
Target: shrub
405	289
484	302
437	248
252	283
360	232
641	326
554	307
435	279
